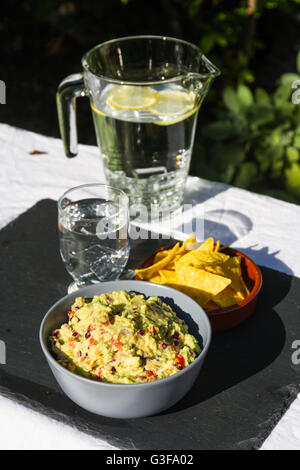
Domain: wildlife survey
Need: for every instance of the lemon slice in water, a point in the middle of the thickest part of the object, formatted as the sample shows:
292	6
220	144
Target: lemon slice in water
173	103
97	110
131	97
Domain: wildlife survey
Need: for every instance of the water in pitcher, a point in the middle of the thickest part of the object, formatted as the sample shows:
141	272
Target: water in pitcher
146	136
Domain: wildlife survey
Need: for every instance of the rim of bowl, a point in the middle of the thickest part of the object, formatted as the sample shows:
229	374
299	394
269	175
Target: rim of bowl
109	384
254	291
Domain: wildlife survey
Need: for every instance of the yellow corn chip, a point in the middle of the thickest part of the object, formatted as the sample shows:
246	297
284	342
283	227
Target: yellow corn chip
207	245
192	246
171	266
245	288
160	255
222	248
217	247
190	239
201	271
200	296
167	274
146	273
203	280
231	269
157	279
211	306
201	258
227	298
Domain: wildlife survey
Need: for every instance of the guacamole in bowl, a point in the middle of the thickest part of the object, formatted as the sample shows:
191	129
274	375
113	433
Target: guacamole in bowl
123	338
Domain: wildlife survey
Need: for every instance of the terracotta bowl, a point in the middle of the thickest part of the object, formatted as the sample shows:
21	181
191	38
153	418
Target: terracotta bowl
226	318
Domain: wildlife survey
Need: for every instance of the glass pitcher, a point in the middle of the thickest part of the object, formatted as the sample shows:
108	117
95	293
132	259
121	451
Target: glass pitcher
145	93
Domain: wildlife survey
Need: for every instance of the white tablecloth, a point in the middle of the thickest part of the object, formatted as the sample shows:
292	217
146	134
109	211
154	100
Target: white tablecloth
257	224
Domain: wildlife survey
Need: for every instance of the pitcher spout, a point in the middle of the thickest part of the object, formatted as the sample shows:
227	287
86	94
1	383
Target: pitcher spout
207	68
199	82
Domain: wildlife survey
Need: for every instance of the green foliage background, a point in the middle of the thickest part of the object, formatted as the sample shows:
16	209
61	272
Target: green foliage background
254	141
248	132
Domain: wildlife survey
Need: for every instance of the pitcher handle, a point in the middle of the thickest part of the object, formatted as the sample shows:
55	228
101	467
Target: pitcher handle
68	91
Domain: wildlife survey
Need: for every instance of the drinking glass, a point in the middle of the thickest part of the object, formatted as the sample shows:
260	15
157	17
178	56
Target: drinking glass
145	93
93	233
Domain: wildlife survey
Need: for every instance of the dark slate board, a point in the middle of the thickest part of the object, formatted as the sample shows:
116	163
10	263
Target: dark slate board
246	384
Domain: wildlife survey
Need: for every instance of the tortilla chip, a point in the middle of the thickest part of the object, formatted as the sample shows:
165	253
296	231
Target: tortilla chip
201	271
202	258
211	306
157	279
222	248
146	273
203	280
217	247
160	255
227	298
167	274
190	239
232	269
245	288
207	245
199	295
192	246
